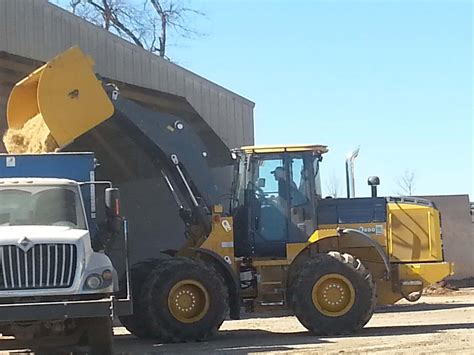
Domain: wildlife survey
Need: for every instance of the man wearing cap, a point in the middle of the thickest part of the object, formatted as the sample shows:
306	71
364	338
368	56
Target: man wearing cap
280	175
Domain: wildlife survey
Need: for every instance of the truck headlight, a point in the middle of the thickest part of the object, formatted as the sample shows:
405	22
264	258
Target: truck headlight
107	275
94	281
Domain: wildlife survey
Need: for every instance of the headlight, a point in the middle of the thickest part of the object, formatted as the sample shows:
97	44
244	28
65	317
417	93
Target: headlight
94	281
107	275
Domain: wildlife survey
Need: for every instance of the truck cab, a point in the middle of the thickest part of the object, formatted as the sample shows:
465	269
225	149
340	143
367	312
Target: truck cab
45	243
57	282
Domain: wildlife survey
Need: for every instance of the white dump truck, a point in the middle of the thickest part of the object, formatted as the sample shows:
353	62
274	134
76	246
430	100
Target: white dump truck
57	283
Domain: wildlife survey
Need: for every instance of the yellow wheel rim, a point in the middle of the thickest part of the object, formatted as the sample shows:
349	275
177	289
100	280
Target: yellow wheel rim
333	295
188	301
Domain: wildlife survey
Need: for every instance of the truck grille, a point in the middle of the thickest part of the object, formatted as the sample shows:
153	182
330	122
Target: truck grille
42	266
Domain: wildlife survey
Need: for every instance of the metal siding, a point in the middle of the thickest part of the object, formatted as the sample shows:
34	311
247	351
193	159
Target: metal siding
163	72
248	136
172	81
180	81
10	22
197	101
221	124
214	106
38	30
230	129
3	24
206	104
239	124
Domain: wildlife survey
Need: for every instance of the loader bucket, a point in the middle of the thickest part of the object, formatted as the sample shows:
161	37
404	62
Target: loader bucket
66	93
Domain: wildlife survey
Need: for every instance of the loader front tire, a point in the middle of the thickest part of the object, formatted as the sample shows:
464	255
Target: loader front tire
136	322
333	294
186	301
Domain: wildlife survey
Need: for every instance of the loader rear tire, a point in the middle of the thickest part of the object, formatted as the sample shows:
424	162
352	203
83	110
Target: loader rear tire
186	301
333	294
136	322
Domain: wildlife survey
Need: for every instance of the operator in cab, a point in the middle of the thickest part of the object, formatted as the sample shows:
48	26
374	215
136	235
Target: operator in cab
288	192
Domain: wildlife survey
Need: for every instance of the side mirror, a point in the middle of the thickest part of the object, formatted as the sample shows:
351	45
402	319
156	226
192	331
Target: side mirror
261	183
112	202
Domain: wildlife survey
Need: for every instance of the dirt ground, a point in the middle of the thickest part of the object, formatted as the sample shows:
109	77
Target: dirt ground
435	324
438	323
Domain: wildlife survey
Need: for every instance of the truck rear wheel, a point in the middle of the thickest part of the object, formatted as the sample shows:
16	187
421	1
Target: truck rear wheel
186	301
333	294
136	322
100	336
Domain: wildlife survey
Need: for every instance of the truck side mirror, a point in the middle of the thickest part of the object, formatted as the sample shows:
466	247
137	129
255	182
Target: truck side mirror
112	206
112	201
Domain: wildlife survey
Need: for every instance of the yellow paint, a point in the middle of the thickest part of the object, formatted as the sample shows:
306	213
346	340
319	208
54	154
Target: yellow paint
388	291
414	233
321	149
429	273
321	234
269	262
66	92
217	209
188	301
333	295
221	240
293	249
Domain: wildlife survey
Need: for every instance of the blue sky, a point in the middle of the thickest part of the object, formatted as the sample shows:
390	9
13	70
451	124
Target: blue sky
394	77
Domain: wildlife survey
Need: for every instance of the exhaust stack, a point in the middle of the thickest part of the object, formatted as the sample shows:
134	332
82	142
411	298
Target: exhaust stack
350	180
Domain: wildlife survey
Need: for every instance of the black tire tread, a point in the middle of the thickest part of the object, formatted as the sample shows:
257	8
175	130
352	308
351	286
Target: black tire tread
173	332
322	264
136	322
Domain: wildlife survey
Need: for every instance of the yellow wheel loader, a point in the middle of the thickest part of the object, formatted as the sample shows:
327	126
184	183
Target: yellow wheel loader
273	244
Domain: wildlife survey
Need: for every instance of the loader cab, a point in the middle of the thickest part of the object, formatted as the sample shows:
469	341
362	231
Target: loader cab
276	191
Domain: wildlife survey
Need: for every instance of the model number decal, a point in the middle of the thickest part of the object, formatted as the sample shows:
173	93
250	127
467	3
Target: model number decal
377	229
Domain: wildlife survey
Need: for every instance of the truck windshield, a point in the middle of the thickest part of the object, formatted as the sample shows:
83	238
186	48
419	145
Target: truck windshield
41	205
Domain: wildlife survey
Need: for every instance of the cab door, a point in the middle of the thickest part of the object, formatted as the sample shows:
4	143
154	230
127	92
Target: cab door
281	207
268	211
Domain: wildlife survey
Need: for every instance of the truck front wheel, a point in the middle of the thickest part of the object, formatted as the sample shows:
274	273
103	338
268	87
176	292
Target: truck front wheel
186	301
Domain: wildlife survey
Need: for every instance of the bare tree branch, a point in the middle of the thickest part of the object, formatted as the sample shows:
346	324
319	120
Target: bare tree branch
146	23
333	186
406	183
